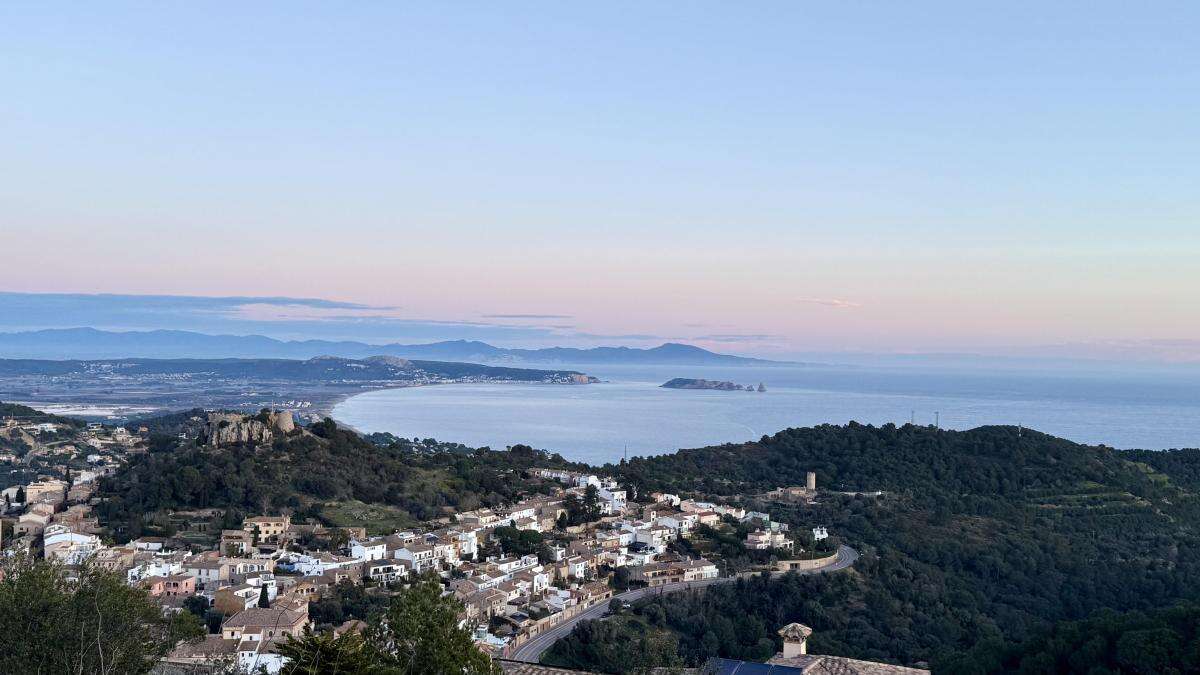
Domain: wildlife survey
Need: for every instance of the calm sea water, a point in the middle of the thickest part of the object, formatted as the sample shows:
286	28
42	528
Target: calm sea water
629	412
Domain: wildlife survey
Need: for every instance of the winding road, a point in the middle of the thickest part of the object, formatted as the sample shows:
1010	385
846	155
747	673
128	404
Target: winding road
531	652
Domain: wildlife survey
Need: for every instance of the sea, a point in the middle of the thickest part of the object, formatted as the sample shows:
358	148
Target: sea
629	414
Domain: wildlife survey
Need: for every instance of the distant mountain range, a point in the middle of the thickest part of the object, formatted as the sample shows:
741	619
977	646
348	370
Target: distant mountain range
90	343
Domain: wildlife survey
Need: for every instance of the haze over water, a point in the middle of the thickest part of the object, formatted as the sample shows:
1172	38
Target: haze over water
595	423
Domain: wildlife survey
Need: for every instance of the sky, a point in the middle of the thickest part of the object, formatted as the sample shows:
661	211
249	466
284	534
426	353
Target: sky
766	178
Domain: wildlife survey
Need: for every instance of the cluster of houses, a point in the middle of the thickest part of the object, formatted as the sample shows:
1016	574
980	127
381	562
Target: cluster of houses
45	439
56	514
55	509
262	576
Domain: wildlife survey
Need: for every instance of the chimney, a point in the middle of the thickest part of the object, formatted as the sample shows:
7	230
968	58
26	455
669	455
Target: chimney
795	639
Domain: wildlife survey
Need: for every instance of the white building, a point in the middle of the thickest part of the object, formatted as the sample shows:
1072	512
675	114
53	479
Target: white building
577	567
614	497
152	568
260	580
364	551
70	548
765	540
679	523
420	557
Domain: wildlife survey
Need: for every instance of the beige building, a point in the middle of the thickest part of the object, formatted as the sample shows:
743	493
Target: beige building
269	528
260	623
764	541
53	491
236	542
659	573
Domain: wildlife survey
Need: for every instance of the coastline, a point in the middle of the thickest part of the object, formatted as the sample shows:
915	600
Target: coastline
316	400
325	408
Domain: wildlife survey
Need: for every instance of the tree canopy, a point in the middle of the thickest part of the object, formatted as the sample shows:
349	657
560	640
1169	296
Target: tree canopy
301	473
993	534
88	622
418	634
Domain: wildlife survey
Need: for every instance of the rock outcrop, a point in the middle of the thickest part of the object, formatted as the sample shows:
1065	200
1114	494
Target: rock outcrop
223	429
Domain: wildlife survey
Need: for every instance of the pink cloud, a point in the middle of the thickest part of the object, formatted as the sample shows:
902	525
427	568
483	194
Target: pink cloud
832	302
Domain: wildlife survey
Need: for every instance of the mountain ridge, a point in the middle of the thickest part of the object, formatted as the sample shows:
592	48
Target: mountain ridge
87	343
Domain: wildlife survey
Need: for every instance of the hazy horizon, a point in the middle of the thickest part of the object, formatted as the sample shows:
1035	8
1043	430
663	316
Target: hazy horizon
287	319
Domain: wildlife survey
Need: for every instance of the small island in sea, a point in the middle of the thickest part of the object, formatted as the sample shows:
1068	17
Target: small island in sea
692	383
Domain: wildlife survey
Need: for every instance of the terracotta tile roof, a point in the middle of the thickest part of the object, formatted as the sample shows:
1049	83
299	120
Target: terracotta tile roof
813	664
523	668
264	617
210	646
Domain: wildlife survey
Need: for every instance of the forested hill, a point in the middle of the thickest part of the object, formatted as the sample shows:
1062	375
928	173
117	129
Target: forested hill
321	473
25	414
927	463
984	537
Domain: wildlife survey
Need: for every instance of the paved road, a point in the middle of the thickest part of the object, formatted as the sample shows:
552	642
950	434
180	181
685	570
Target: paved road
532	651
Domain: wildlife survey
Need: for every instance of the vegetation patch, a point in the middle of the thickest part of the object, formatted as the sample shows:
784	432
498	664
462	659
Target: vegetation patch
377	518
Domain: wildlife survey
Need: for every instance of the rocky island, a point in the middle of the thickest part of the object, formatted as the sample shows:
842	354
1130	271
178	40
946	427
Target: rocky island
691	383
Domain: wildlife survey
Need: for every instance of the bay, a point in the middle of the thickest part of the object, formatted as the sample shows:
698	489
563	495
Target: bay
629	414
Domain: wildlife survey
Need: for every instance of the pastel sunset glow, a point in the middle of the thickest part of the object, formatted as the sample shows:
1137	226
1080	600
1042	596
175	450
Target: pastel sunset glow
774	180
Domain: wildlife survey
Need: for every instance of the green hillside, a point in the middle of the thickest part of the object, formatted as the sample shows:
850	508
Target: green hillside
322	473
992	534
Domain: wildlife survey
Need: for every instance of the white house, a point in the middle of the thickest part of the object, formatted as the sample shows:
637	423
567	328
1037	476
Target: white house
152	568
671	499
467	542
679	523
577	567
615	498
655	536
519	511
364	551
384	571
152	544
420	557
260	580
514	564
558	599
762	540
313	565
71	548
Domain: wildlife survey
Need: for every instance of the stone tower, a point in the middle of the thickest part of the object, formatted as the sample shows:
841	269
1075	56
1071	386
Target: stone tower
282	422
811	484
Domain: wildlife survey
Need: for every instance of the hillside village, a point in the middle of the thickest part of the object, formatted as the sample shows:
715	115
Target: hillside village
518	570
